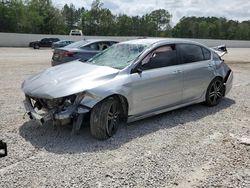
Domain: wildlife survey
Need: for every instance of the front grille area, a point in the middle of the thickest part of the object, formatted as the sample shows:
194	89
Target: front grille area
45	103
51	103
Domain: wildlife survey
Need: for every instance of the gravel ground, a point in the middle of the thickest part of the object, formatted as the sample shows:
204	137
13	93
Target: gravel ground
194	146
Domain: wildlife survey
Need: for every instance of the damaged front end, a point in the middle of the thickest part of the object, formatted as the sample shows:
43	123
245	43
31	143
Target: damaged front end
60	111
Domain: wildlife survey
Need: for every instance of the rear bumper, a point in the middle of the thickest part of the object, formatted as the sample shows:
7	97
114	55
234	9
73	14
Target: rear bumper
229	82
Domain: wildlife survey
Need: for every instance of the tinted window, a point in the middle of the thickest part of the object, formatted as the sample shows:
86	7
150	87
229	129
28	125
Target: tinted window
191	53
112	42
99	46
161	57
78	44
206	53
44	40
104	45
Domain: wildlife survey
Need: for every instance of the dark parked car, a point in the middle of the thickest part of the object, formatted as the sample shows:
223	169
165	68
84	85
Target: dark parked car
61	43
84	50
45	42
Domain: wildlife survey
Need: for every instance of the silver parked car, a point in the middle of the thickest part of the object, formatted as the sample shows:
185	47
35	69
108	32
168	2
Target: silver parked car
127	82
84	50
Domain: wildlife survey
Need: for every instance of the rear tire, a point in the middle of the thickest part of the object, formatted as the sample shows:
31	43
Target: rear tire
36	46
215	92
104	118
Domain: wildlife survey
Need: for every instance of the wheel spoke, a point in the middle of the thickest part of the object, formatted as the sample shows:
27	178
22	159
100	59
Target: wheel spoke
110	115
213	87
219	88
215	99
110	127
219	94
212	94
116	115
113	118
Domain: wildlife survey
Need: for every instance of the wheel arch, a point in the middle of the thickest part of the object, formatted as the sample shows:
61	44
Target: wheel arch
121	98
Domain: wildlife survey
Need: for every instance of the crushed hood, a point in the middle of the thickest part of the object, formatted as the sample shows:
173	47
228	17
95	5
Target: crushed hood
67	79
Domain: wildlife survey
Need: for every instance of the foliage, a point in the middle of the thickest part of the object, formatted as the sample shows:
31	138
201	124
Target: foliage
40	16
212	28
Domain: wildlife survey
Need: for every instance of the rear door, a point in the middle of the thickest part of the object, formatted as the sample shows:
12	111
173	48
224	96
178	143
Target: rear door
88	51
160	83
198	70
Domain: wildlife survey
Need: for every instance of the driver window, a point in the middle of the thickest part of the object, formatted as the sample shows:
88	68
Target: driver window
161	57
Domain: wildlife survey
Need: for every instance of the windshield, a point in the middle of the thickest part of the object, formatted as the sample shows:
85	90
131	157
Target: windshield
118	56
78	44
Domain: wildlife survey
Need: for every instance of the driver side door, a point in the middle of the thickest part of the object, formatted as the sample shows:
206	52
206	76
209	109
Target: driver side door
160	83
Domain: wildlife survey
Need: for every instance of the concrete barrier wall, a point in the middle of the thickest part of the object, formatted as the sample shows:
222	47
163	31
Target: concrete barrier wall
22	40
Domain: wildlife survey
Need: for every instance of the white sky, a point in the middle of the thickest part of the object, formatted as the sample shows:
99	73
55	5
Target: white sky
231	9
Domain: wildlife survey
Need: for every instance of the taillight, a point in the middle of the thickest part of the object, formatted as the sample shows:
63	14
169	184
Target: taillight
69	54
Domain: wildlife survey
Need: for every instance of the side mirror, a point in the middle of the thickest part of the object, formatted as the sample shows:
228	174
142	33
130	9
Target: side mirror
137	69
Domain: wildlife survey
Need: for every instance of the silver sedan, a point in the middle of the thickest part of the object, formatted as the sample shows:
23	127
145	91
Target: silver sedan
127	82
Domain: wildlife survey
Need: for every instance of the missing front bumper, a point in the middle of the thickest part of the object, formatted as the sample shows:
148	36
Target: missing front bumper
63	116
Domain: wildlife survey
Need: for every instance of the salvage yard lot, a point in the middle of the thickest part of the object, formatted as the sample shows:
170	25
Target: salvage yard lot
194	146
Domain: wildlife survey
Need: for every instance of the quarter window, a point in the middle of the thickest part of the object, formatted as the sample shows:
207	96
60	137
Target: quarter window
191	53
161	57
216	57
92	46
206	53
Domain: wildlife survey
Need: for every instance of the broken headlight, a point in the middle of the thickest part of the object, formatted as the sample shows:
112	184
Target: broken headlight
69	100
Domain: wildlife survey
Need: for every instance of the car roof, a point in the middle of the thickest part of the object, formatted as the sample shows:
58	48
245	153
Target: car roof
78	44
64	40
152	41
98	40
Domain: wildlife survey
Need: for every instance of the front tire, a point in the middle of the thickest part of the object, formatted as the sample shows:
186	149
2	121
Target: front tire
104	118
215	92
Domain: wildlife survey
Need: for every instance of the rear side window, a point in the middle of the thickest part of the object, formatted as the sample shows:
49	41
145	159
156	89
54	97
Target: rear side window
98	46
92	46
206	53
103	45
162	57
191	53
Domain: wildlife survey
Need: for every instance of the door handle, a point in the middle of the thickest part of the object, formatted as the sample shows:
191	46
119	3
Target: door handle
177	72
210	65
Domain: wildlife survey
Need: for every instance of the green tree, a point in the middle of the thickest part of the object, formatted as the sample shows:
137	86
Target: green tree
161	19
71	16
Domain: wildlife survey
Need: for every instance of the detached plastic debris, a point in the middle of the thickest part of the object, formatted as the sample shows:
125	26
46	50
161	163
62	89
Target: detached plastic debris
3	149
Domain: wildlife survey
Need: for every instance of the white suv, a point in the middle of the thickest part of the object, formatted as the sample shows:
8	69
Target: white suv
76	32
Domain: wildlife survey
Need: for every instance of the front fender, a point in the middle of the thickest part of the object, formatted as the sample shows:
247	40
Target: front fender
91	98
